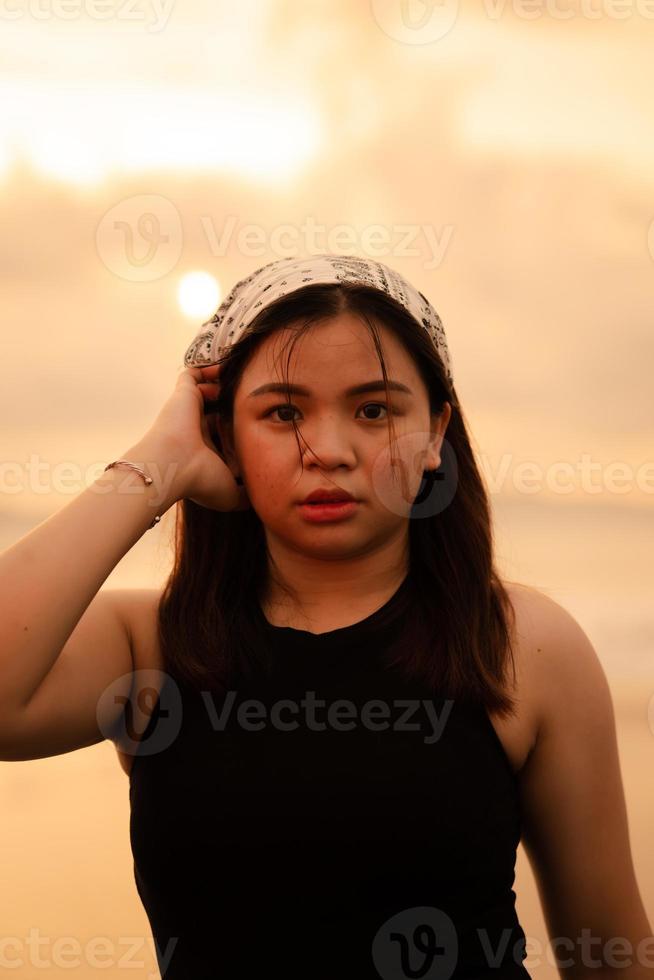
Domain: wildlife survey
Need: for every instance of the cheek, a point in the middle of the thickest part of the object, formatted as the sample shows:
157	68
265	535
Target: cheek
257	450
396	474
269	470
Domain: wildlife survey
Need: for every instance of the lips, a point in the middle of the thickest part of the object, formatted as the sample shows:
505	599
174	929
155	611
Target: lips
327	497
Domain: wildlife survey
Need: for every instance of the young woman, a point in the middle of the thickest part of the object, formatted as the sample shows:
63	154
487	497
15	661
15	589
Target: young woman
330	767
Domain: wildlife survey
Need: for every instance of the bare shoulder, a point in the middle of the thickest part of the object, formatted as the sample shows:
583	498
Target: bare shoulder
547	632
535	609
555	655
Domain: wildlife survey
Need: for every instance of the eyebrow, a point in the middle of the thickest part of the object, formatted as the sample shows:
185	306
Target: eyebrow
274	387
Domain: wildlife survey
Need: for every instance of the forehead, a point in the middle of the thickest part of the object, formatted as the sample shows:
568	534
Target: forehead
329	355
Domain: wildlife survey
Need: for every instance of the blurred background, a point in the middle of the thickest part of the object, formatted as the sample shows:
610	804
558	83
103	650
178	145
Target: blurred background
499	154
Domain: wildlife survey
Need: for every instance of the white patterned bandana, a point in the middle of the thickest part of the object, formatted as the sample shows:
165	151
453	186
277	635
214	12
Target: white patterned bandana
251	294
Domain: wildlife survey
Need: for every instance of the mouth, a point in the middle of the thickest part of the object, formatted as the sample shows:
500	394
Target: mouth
327	502
323	498
328	510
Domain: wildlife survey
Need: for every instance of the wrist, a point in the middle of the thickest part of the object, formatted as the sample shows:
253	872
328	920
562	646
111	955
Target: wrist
163	464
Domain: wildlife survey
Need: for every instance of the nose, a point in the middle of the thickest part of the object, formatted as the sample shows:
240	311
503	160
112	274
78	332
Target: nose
329	441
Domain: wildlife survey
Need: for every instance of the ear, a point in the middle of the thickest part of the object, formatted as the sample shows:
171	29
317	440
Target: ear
438	424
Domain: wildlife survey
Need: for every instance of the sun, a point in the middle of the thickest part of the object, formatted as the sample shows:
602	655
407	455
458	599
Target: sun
198	294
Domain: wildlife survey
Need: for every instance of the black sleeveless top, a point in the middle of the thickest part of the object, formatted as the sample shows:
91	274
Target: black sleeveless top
334	821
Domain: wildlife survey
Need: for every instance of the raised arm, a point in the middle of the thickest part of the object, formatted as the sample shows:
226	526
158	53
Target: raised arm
62	642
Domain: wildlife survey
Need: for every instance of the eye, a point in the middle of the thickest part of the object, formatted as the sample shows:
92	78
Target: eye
375	405
286	406
278	408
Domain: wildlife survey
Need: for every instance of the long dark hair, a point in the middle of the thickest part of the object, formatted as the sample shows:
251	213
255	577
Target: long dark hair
459	638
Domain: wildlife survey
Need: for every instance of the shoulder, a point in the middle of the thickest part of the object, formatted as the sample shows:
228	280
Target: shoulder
565	673
570	691
533	603
548	633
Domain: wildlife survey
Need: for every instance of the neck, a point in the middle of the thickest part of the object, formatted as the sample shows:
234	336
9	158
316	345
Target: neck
320	586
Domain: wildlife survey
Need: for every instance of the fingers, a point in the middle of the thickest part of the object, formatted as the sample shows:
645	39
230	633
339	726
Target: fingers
210	392
203	373
203	378
211	370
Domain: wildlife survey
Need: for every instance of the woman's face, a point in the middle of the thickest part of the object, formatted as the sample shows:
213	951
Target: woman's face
347	431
